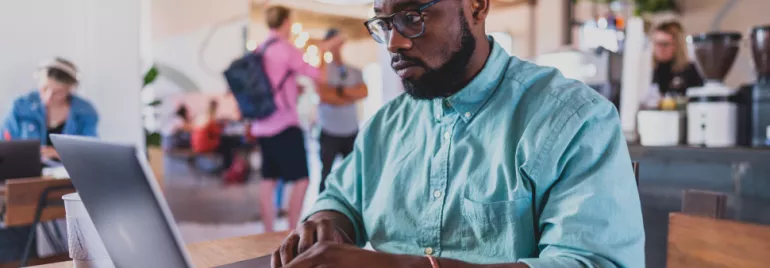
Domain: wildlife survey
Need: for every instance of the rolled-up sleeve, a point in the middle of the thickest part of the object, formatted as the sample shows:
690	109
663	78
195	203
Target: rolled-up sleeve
591	213
299	66
343	193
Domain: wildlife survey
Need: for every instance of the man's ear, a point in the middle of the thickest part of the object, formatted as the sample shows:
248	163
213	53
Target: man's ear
480	9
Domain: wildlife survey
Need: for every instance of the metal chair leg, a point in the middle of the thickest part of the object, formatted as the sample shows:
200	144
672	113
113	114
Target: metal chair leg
49	236
60	236
42	203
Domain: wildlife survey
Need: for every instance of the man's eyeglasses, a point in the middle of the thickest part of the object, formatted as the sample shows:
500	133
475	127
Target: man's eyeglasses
409	23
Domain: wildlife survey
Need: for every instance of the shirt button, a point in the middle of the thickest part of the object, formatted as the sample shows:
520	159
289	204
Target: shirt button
467	115
447	135
429	251
437	194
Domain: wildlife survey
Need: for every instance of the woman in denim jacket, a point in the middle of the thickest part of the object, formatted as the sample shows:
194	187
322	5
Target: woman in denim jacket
50	109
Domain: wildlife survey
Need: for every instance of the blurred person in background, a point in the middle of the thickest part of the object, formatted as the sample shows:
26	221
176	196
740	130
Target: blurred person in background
206	130
279	135
208	136
337	113
176	132
674	72
52	108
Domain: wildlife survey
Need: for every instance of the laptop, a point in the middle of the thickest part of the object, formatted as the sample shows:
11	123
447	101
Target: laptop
124	201
20	159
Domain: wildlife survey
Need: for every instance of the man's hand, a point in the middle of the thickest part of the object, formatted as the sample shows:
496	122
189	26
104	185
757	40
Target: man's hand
327	254
325	226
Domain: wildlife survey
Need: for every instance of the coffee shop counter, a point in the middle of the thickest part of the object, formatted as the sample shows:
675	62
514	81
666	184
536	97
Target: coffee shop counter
665	172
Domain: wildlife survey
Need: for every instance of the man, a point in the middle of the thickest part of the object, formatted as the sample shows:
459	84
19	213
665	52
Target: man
487	161
337	112
280	137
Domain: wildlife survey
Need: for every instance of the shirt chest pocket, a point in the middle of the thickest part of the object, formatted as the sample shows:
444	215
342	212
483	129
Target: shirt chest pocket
500	230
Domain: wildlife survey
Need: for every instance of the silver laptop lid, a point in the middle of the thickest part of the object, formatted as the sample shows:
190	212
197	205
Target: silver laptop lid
124	201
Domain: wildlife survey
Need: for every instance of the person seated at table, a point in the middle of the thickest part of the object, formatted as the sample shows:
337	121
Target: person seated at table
52	108
176	132
487	161
207	137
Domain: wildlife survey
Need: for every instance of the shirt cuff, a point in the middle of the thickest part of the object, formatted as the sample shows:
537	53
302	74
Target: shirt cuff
330	203
551	262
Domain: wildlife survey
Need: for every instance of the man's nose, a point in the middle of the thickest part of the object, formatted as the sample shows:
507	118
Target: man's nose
398	42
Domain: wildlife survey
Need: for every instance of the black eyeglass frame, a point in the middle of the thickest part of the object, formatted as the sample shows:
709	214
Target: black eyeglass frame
391	25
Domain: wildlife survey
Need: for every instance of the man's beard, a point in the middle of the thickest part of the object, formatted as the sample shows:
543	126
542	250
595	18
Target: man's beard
446	79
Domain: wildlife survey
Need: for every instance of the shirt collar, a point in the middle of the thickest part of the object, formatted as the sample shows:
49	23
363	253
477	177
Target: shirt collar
469	100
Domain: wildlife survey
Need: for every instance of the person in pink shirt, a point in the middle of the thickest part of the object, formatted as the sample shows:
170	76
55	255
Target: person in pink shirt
279	135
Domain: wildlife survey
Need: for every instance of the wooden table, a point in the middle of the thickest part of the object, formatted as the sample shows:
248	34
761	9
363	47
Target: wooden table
695	241
221	252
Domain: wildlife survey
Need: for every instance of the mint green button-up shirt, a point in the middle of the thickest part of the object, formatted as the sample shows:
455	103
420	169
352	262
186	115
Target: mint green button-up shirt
521	165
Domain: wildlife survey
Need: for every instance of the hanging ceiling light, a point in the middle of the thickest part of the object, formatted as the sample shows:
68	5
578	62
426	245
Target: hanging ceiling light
296	28
328	57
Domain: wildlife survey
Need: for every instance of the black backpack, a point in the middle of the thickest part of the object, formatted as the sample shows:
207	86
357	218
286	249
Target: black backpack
251	86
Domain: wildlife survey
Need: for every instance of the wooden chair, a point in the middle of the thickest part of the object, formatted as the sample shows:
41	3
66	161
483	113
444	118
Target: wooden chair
34	201
23	195
699	237
704	204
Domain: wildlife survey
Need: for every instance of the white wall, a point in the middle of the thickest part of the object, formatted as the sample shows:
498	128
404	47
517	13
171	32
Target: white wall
550	25
515	21
101	37
198	39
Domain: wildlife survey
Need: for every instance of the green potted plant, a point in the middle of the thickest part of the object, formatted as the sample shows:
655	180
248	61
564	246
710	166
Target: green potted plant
644	7
647	7
152	138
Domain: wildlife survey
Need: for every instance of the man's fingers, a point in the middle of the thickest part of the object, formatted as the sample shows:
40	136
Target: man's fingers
276	260
307	234
288	249
325	231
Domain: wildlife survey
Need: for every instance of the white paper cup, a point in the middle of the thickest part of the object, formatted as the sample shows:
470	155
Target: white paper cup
86	247
659	128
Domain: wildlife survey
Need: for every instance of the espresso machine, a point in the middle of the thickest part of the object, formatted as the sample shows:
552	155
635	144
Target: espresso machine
760	106
712	112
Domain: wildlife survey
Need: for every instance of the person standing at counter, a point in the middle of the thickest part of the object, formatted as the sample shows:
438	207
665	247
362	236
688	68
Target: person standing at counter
673	72
337	112
53	108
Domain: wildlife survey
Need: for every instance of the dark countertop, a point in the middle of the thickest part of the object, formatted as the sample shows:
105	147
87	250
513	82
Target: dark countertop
699	154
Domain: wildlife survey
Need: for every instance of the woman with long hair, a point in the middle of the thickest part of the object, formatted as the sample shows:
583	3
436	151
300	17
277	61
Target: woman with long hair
673	72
